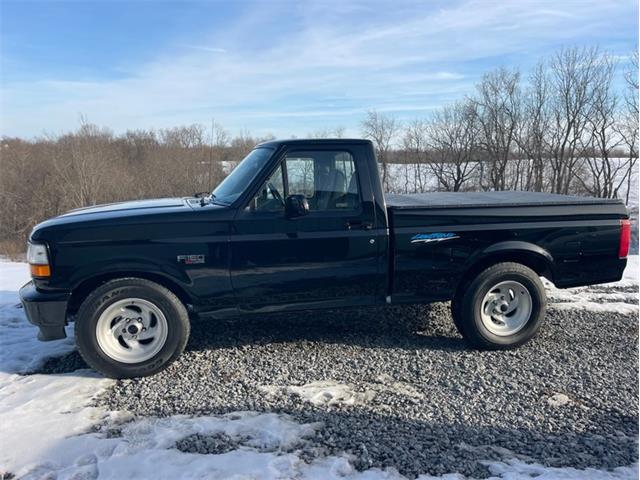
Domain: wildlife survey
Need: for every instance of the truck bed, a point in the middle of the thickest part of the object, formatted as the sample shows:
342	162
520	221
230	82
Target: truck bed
438	200
437	235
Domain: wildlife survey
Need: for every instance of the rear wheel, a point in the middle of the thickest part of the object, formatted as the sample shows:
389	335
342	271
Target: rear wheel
131	327
503	307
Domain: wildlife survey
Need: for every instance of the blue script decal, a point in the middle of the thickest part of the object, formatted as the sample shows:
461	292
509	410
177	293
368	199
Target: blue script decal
433	237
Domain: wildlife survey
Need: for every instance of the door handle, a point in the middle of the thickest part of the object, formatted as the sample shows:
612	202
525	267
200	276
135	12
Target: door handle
357	223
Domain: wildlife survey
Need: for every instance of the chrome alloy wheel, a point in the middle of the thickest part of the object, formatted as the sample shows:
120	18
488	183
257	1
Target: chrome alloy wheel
132	330
506	308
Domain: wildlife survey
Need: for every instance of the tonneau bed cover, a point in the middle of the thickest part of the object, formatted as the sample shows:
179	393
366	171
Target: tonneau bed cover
488	199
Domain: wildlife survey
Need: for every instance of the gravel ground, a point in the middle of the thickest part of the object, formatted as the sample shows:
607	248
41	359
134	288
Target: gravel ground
423	401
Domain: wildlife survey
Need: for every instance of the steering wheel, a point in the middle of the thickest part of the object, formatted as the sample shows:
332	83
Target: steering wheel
274	191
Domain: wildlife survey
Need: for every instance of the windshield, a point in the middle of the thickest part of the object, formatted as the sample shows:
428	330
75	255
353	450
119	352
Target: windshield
241	177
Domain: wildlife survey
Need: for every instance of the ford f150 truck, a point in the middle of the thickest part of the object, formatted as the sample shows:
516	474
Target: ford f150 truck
303	225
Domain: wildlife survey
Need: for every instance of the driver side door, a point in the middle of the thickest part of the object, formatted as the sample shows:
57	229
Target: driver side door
328	258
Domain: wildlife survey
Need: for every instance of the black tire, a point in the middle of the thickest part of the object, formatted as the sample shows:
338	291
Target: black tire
112	291
467	304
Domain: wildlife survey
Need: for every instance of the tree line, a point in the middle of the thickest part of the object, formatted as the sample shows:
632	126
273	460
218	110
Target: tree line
564	128
47	176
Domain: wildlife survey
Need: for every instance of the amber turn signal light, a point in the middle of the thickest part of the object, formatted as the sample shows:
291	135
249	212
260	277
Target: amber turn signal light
40	271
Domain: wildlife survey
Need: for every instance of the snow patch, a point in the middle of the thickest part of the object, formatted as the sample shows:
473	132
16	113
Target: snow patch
558	400
517	470
324	392
331	392
20	350
620	297
37	412
145	449
41	417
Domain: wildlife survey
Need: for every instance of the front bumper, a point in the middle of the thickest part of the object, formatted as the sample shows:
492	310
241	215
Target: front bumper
48	311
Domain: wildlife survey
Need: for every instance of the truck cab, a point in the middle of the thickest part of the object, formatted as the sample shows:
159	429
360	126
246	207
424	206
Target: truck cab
315	222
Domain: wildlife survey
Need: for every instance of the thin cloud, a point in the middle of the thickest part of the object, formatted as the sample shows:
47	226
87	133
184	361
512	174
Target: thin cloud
333	65
555	13
204	48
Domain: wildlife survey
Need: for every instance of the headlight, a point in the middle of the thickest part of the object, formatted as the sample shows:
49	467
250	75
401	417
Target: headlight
38	258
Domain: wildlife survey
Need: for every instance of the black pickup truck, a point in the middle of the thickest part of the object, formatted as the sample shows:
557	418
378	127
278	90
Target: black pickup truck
303	225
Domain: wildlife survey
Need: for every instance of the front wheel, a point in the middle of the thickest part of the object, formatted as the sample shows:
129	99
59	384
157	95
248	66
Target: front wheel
131	327
503	307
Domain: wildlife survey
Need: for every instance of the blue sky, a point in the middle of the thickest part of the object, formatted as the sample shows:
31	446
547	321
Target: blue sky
280	67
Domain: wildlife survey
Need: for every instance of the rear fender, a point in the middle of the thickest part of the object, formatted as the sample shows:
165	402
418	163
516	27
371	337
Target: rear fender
517	246
528	254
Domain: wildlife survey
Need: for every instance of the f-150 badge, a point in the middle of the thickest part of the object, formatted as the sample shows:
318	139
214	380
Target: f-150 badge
433	237
190	259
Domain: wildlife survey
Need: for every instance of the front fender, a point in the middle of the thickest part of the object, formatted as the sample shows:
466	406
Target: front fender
141	269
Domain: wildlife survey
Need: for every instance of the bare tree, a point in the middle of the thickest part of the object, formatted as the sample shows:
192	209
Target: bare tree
534	127
572	90
242	144
381	130
452	134
631	78
337	132
628	130
627	127
497	107
606	174
415	146
81	161
219	141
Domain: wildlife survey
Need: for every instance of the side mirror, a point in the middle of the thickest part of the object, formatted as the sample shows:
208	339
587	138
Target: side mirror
296	206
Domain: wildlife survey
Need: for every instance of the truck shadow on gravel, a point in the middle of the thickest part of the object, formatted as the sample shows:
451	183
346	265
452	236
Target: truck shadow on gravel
404	327
398	327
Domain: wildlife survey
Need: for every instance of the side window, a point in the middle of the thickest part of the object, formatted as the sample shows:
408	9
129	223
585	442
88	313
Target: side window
327	178
300	175
271	195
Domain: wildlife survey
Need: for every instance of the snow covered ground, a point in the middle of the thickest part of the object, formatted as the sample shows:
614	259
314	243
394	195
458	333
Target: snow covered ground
619	297
48	424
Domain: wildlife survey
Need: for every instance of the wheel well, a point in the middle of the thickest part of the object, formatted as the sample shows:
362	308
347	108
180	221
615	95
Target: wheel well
86	287
535	262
